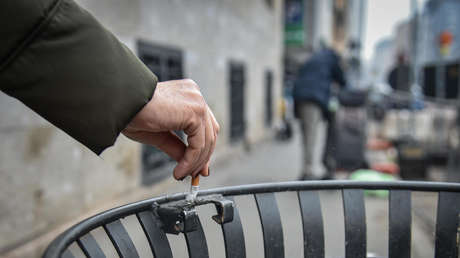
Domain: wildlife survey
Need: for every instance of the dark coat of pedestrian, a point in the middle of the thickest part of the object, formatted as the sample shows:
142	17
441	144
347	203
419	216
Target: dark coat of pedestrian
315	78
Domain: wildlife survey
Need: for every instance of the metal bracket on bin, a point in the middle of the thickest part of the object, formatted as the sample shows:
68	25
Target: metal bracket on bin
181	216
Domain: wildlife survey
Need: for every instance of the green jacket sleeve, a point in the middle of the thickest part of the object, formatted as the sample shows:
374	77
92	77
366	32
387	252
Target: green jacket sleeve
59	61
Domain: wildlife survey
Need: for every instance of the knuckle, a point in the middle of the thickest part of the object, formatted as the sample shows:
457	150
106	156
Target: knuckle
200	109
213	145
217	128
188	81
202	146
191	83
195	153
195	122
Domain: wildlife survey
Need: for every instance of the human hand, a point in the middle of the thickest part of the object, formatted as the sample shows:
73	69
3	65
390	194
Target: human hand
178	105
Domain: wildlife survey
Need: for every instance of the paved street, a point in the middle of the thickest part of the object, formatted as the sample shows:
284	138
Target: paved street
275	161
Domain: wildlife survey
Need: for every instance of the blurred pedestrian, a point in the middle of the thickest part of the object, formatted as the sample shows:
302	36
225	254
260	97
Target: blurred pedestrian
312	90
399	76
61	62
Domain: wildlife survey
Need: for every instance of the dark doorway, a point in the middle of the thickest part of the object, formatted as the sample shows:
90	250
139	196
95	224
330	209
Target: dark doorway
452	81
429	81
237	99
268	98
167	64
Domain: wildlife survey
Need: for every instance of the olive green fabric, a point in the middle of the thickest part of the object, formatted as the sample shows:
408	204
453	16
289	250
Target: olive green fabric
58	60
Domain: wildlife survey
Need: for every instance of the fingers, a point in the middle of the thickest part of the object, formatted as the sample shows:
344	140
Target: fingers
214	122
178	105
192	159
196	144
201	144
205	170
209	148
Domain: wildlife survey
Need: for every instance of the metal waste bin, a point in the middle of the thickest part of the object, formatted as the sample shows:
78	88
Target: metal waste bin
172	214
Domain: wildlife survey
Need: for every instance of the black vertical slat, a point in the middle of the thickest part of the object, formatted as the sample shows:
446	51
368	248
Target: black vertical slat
121	240
234	237
90	247
312	221
196	243
67	254
399	242
155	235
271	225
355	223
447	225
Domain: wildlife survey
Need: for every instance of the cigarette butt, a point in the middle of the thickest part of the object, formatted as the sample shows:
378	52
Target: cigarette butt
196	181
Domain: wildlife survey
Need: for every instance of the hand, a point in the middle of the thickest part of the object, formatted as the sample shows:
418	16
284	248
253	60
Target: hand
178	105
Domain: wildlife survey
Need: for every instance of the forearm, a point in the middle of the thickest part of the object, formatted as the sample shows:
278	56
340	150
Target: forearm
68	68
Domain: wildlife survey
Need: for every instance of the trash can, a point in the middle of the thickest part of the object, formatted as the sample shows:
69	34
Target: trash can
173	214
412	160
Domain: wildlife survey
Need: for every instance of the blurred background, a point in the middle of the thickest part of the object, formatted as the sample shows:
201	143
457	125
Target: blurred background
397	119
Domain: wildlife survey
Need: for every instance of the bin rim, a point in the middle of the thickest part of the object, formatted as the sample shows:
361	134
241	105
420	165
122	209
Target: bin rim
59	244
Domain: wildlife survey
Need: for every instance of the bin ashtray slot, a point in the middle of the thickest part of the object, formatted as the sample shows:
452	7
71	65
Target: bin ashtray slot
181	216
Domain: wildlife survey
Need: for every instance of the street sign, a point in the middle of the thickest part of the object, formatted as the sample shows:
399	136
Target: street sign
294	28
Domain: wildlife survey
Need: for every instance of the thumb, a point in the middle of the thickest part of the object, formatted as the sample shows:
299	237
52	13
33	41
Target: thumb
167	142
172	145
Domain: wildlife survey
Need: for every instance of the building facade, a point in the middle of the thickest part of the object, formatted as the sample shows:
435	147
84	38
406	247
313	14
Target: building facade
439	49
337	23
232	49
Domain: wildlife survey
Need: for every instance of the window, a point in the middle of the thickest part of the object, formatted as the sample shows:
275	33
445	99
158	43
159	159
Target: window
269	3
237	99
268	98
441	80
167	64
